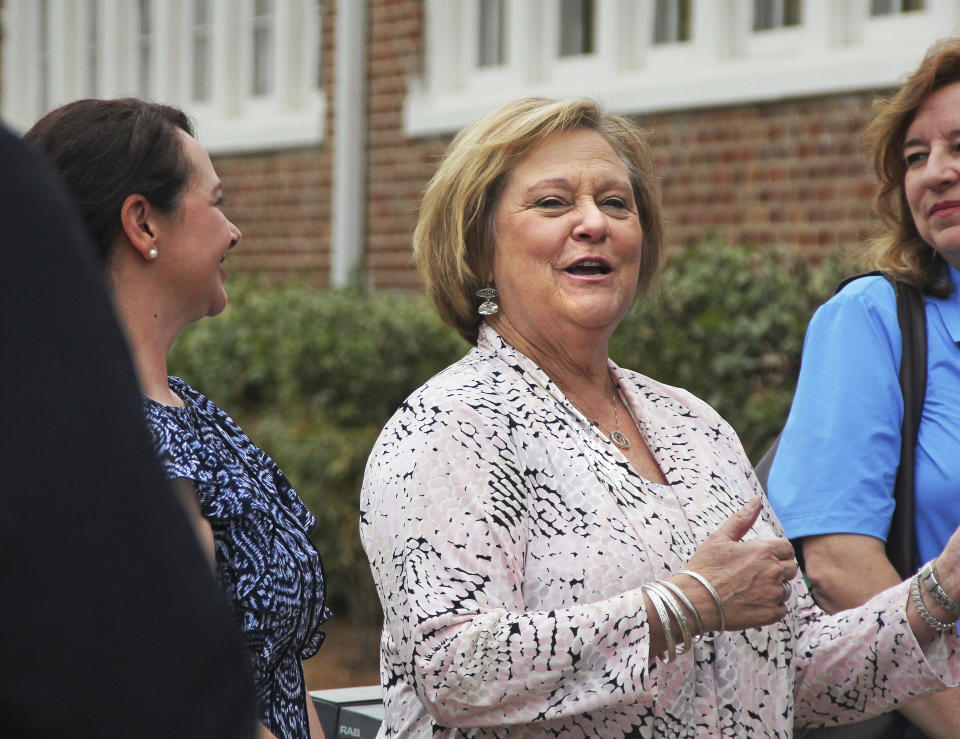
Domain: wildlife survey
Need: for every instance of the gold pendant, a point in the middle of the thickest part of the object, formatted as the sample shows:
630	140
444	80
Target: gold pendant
620	440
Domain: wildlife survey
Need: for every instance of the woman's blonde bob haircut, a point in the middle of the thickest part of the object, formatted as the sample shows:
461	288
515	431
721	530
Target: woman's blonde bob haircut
900	250
453	240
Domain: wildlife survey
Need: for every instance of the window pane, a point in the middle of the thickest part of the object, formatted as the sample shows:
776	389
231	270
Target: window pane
662	32
792	12
201	61
262	48
490	30
93	60
889	7
763	15
201	12
144	48
43	18
202	54
671	21
576	27
768	14
684	16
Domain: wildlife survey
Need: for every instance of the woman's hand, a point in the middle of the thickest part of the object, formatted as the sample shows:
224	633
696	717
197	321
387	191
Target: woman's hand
748	576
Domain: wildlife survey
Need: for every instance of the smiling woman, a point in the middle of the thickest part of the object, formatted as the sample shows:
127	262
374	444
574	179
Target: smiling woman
564	547
151	198
568	241
848	410
187	284
932	155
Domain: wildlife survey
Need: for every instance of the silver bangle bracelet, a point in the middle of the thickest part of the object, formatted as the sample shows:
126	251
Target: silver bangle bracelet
676	610
930	579
660	608
716	596
932	621
677	591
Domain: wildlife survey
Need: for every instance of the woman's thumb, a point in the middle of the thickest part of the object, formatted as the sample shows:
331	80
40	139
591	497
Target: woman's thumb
737	526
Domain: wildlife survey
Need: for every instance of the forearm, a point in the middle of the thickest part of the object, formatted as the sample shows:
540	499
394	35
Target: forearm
937	715
845	571
864	661
549	664
313	720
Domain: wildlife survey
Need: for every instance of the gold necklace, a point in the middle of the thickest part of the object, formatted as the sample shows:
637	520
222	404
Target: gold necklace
616	436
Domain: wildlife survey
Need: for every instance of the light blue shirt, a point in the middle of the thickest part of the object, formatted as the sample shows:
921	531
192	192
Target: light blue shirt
836	464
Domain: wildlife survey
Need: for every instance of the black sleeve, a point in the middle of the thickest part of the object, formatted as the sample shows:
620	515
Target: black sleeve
111	622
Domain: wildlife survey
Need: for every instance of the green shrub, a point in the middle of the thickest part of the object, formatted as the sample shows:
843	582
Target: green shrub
312	375
727	324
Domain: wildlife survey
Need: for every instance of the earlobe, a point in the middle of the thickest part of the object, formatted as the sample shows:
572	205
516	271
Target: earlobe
136	222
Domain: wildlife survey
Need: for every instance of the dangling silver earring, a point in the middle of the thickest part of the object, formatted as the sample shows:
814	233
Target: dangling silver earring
487	307
153	253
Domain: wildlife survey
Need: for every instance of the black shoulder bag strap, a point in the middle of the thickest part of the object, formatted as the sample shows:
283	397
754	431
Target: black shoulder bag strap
912	317
913	384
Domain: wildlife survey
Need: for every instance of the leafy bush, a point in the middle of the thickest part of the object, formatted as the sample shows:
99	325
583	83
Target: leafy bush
728	324
312	375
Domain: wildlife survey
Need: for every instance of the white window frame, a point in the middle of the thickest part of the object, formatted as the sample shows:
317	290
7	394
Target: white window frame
274	25
491	77
187	35
293	115
640	51
780	40
838	48
559	71
503	39
672	21
901	27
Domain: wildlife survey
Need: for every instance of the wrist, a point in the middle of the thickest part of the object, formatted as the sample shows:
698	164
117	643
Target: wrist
933	614
714	616
945	596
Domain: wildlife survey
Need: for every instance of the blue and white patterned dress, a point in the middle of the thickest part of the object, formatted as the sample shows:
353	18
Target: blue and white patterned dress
270	570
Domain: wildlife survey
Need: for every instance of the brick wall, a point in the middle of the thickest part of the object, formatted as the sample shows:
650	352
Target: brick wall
399	167
784	172
779	172
281	200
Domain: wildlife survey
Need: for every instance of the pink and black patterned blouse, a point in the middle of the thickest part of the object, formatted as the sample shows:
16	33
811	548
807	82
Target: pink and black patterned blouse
509	539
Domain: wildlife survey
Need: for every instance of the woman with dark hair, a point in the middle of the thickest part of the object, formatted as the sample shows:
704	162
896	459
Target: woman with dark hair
832	481
151	199
562	546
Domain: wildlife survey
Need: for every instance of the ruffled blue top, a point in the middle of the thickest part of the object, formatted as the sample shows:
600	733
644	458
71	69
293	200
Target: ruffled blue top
270	570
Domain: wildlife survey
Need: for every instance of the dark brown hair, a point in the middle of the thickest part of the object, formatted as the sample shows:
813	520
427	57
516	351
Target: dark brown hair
107	150
901	250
